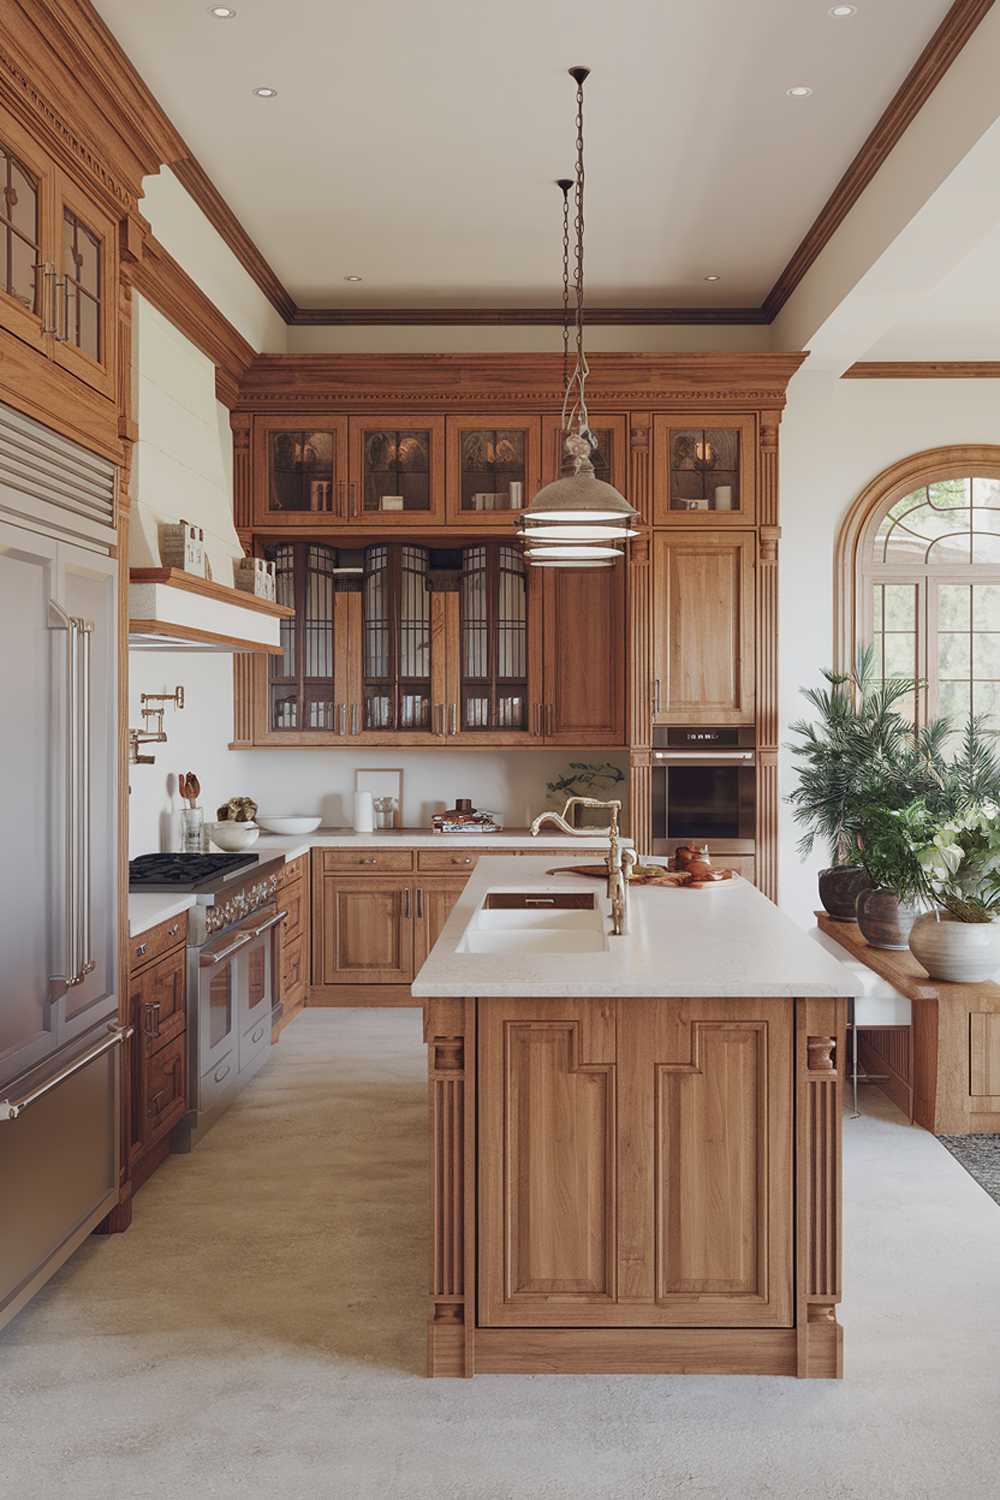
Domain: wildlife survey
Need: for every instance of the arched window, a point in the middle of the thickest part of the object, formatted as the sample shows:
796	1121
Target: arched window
919	565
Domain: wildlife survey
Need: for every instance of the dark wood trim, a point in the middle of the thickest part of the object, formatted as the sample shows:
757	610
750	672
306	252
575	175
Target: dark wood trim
190	582
924	369
912	94
172	291
518	317
192	175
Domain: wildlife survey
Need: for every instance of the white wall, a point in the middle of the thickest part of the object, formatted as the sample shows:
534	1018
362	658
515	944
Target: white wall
305	781
836	436
182	228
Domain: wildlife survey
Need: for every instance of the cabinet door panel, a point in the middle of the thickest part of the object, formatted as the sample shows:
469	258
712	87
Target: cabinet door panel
548	1162
300	471
584	656
162	1002
86	259
703	465
493	468
26	196
367	931
434	903
396	459
705	1112
704	628
163	1092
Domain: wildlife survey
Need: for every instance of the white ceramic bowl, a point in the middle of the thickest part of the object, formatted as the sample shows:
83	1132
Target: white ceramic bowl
234	836
286	823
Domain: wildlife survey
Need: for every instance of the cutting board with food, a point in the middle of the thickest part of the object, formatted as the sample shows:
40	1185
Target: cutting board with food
690	869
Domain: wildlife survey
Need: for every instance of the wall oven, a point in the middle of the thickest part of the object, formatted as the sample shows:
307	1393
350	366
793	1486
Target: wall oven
704	789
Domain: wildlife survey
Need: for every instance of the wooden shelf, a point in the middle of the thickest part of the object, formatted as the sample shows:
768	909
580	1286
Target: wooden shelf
900	969
176	578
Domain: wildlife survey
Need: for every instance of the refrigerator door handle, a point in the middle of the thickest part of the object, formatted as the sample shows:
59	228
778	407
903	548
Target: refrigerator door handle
60	983
11	1109
85	641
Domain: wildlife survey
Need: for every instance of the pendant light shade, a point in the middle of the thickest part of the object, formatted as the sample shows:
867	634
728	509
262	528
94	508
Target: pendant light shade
576	520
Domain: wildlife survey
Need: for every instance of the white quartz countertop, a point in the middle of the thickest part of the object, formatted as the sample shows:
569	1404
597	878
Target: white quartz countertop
726	941
148	909
406	838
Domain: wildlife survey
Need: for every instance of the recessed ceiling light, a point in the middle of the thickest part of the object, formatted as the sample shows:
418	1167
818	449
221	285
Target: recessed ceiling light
222	12
712	278
266	93
841	12
353	278
798	92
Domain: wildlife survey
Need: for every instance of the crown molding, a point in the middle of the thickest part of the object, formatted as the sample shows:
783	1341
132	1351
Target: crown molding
912	94
273	382
924	369
165	283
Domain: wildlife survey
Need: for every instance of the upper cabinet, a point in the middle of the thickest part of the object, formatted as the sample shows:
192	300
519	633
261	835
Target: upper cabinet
490	662
300	470
58	263
583	656
609	457
703	467
299	699
703	627
493	468
396	472
395	621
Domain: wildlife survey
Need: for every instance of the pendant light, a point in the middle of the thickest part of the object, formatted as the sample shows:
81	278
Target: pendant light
577	520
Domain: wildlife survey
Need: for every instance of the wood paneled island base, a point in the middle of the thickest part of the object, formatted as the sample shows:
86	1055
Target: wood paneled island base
633	1185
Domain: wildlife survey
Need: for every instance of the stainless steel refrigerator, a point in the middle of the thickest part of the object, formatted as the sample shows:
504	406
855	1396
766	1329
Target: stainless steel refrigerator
60	1044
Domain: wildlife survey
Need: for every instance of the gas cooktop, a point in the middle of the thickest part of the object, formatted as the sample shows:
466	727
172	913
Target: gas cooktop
186	872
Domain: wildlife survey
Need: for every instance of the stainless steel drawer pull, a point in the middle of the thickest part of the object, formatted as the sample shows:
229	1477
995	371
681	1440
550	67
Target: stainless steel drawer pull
173	931
539	900
140	950
10	1109
222	1072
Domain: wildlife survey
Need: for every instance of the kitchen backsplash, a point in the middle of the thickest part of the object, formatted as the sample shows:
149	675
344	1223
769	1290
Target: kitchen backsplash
511	783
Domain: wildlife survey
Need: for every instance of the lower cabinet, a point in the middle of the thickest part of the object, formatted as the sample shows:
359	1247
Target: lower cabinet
293	941
157	1012
635	1163
433	903
364	932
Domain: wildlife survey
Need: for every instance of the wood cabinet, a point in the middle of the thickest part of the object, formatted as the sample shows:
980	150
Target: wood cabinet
300	470
693	1099
396	473
493	467
363	931
58	263
703	633
434	901
610	457
157	1012
583	657
293	940
703	467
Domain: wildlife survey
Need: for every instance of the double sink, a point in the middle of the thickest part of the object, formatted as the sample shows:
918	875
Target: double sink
511	921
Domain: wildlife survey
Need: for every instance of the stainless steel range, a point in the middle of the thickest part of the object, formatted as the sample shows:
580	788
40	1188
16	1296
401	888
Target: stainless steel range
231	968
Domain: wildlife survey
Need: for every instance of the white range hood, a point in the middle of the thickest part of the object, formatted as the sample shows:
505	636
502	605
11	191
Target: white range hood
170	610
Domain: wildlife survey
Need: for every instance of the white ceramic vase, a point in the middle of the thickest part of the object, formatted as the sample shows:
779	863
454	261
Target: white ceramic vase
957	952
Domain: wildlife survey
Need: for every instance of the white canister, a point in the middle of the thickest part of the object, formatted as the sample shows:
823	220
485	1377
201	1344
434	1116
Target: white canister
723	497
364	813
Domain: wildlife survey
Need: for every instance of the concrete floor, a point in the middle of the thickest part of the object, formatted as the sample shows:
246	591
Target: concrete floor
259	1331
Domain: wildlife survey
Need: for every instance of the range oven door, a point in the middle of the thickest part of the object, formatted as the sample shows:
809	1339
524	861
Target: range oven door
704	798
235	993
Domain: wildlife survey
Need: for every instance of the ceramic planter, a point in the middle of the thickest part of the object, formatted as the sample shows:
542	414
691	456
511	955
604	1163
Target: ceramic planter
958	952
839	888
884	920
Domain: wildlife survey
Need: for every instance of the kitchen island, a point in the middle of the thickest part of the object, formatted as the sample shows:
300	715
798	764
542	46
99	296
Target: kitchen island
636	1140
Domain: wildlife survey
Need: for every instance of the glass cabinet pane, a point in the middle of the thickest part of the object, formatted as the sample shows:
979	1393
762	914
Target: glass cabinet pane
493	466
494	637
19	231
301	680
396	631
396	470
704	468
80	314
300	470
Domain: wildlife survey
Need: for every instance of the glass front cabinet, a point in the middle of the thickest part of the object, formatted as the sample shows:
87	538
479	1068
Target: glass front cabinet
703	470
58	263
493	468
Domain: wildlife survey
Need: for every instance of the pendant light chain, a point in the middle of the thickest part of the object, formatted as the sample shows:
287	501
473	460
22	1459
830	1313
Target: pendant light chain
576	415
564	184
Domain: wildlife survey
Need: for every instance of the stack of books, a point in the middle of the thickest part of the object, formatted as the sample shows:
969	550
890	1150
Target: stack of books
455	821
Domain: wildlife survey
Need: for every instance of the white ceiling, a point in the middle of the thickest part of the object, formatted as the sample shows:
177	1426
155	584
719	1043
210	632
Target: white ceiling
416	145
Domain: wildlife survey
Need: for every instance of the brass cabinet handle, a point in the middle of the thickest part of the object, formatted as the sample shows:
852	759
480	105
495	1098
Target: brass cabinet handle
656	695
454	719
343	718
341	497
372	861
458	860
354	718
61	338
46	301
352	489
173	931
406	902
420	903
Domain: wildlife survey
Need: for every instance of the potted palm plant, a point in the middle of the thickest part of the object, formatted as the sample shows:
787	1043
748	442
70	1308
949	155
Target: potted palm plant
857	751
